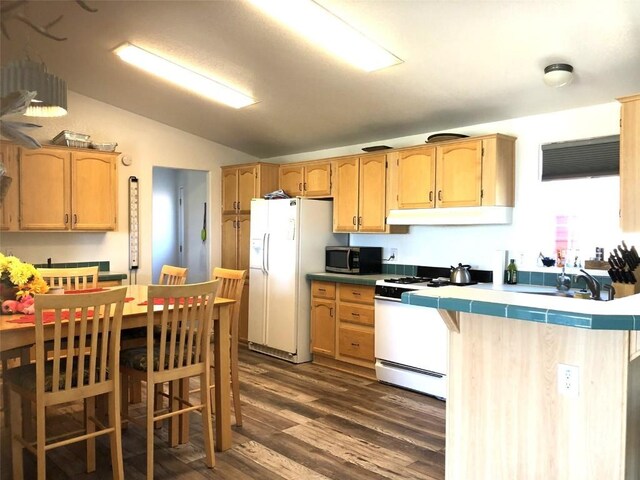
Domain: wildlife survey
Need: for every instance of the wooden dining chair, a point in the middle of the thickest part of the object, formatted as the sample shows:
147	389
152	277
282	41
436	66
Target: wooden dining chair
94	321
136	337
231	286
76	278
170	275
72	278
184	315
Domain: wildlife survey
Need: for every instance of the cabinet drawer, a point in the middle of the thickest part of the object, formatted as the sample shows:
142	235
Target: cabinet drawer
362	315
323	290
356	293
356	343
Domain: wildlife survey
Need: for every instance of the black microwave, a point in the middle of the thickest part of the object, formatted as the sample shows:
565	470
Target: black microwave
353	260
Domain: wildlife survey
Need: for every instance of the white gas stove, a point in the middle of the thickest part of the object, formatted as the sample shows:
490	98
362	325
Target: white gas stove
411	342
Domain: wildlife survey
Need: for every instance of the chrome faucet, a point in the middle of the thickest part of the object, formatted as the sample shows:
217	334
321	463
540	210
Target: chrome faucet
592	284
563	282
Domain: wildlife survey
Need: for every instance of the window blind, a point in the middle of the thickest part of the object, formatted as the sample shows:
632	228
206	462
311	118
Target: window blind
592	157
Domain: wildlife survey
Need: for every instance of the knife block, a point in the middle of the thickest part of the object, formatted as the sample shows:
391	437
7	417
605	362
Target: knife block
626	289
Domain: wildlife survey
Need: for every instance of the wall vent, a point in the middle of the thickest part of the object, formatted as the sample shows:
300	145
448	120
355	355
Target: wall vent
591	157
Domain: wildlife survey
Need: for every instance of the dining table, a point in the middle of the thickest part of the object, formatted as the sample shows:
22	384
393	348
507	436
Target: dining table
15	332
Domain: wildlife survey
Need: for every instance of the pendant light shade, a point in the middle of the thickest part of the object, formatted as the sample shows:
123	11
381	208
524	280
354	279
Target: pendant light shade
51	100
558	74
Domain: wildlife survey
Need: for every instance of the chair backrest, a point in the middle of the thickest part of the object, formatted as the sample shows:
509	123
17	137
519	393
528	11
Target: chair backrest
94	321
184	328
170	275
232	283
75	278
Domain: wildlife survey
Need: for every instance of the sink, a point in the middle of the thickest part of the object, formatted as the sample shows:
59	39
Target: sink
580	294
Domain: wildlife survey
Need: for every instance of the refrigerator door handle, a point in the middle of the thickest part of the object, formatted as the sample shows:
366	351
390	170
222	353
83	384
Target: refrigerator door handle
264	253
268	253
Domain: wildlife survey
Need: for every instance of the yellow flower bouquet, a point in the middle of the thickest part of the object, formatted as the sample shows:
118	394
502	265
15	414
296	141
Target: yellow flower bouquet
23	276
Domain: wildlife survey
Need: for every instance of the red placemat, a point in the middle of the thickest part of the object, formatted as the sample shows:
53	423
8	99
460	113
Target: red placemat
47	317
87	290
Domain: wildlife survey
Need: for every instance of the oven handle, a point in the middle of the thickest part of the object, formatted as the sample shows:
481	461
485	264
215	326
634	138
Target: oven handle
387	299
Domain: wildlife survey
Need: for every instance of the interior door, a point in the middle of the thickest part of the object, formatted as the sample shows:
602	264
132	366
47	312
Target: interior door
282	266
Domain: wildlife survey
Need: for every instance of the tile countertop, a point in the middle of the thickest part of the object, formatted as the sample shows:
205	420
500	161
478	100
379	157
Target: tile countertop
510	301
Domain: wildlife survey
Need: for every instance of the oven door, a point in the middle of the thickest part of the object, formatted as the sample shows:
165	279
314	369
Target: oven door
412	336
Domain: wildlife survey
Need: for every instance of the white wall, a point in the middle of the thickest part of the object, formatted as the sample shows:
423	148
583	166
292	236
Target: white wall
445	245
149	144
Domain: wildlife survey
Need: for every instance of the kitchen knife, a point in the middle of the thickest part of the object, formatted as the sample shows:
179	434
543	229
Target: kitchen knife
636	257
626	256
632	277
619	259
613	273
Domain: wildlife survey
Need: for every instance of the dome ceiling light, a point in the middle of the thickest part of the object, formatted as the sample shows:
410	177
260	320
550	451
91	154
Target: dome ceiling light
558	74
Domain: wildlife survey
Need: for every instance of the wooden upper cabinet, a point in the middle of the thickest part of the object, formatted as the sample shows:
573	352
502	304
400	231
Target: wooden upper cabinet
459	174
630	163
309	179
67	189
345	204
371	203
360	194
241	183
94	189
417	177
292	179
9	188
44	193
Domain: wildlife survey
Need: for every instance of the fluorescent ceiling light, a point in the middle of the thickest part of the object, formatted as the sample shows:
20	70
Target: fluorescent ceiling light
323	28
182	76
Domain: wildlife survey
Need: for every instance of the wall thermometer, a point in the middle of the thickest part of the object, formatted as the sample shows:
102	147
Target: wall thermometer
134	224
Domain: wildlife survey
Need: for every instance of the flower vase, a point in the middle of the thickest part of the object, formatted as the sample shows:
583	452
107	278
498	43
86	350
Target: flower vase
8	291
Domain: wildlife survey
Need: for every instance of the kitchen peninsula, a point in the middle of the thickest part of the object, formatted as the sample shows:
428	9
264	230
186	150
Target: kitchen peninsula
508	415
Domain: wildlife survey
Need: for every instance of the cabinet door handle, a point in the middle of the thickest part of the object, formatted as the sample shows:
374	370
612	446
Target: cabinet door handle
300	187
354	314
440	195
75	219
66	218
431	195
238	205
331	312
355	293
355	344
354	219
322	289
305	186
359	220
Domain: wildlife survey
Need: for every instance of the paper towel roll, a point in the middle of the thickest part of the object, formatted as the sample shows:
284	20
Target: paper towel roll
499	266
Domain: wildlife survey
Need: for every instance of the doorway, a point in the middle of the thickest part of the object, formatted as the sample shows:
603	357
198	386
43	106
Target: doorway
178	218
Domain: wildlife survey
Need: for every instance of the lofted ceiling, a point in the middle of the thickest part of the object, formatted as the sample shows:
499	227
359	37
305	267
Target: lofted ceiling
464	62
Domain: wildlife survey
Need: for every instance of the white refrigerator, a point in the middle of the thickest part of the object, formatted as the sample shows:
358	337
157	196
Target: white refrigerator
288	239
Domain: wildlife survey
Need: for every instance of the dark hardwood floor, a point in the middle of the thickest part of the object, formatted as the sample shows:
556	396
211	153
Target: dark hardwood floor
299	422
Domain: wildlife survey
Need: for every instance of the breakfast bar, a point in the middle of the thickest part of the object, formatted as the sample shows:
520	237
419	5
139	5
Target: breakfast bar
540	386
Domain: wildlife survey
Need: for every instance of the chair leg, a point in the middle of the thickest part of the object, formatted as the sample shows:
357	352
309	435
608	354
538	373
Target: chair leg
136	391
207	421
124	399
41	438
90	426
174	405
157	390
16	429
235	389
150	429
184	419
117	462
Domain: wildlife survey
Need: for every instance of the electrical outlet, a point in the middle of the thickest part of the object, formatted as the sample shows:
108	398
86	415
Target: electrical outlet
569	380
393	255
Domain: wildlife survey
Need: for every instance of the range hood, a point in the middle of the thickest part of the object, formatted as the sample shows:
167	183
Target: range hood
452	216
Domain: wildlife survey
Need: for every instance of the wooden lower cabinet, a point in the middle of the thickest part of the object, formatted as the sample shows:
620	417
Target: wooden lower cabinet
342	326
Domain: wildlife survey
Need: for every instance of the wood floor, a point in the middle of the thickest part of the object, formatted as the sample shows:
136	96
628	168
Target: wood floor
299	422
